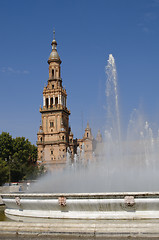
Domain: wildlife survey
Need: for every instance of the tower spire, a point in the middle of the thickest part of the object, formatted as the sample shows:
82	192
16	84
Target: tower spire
54	34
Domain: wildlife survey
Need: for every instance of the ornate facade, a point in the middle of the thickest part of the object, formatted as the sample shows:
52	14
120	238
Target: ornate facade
54	137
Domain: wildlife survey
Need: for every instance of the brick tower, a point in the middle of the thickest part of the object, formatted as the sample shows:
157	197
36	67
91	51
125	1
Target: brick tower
54	136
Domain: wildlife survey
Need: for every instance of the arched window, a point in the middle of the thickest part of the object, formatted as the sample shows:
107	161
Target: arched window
47	102
51	102
87	134
56	101
51	124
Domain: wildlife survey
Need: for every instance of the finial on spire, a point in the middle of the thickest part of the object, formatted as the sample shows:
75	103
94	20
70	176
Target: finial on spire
54	43
54	34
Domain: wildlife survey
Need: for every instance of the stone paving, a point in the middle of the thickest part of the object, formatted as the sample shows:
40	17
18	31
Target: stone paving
72	230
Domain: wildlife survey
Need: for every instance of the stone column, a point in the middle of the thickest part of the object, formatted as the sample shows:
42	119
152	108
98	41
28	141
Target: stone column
59	99
49	100
43	101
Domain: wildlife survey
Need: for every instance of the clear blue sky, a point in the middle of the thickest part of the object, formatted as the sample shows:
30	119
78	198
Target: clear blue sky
87	31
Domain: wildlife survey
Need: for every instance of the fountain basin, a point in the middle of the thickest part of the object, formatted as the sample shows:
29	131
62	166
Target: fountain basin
93	206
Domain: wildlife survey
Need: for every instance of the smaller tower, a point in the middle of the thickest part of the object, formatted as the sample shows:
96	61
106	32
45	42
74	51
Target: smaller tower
88	143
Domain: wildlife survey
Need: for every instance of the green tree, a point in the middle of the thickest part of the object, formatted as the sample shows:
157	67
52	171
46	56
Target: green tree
24	159
3	171
6	147
18	159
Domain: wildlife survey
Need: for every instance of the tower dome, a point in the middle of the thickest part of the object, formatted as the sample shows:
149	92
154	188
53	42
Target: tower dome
54	56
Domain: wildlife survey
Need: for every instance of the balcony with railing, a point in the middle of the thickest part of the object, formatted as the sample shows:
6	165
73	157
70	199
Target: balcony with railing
57	107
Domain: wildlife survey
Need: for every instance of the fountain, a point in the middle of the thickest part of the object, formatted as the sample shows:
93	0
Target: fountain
121	185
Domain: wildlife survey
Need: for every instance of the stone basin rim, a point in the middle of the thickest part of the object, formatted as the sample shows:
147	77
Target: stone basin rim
78	195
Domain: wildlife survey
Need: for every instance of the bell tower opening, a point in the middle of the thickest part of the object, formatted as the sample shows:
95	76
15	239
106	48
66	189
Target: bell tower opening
51	102
47	103
56	101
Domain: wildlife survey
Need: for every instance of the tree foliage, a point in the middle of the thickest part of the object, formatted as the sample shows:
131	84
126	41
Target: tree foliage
3	172
18	159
